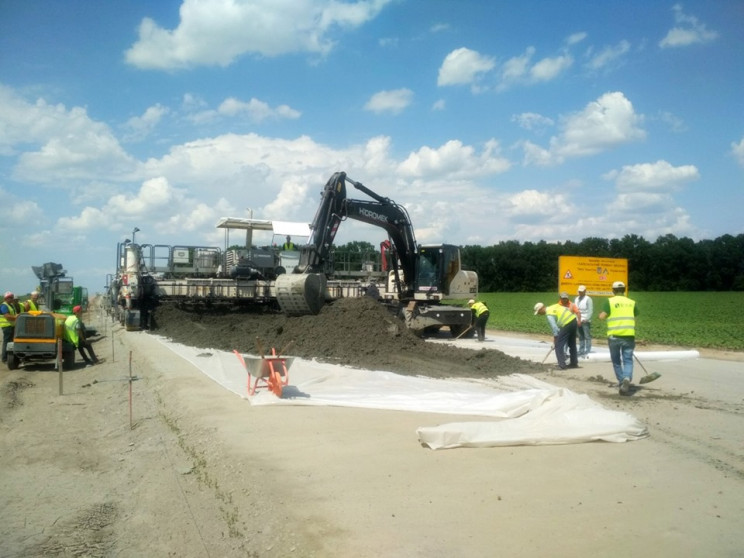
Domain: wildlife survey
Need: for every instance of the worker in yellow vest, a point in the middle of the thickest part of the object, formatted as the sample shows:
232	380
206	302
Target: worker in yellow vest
620	313
32	303
563	323
8	315
480	317
288	244
75	333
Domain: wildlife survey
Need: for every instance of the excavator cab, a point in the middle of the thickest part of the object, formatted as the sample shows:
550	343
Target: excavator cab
440	276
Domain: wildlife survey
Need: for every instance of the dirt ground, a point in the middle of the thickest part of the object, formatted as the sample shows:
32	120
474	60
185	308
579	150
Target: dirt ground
355	332
143	455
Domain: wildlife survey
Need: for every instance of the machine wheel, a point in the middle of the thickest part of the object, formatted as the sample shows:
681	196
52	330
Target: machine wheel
12	361
68	360
430	331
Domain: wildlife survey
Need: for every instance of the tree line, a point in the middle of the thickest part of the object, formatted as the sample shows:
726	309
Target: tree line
667	264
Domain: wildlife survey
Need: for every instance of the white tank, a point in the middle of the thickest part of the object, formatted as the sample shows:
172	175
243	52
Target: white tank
132	259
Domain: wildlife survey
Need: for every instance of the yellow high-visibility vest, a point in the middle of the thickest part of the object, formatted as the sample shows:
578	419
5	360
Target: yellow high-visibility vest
562	314
71	329
621	320
478	308
4	322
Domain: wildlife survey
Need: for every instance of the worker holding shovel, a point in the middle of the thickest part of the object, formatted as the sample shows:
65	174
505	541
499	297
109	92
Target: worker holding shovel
480	317
620	313
563	323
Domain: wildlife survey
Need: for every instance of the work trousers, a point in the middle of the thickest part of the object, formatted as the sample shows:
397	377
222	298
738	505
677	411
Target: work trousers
92	359
585	338
7	337
566	338
480	325
621	355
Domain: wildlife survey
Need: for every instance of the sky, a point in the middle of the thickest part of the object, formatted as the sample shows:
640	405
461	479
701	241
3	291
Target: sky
487	120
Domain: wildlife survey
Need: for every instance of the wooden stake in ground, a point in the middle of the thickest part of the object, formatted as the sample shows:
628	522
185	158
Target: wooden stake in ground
130	390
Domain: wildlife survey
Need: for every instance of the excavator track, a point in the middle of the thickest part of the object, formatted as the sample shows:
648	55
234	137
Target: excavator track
301	294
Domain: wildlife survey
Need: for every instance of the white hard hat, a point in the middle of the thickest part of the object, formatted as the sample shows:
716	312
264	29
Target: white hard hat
471	302
539	306
582	288
618	285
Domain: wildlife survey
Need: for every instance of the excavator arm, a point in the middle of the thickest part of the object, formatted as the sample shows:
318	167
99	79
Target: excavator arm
335	207
298	294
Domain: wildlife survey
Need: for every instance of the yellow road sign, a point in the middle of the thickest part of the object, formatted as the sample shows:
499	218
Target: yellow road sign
596	274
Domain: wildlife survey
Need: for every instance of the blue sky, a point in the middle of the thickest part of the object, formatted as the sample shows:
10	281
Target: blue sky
487	120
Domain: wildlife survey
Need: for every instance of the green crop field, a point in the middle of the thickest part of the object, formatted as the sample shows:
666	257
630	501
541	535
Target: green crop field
712	320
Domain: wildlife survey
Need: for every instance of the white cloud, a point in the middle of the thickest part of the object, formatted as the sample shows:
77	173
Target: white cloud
463	66
216	32
549	68
23	210
532	120
520	70
517	67
688	31
439	104
71	146
658	176
737	150
675	123
439	27
140	126
539	156
394	101
608	55
606	123
255	110
89	218
576	38
533	203
454	160
191	103
154	194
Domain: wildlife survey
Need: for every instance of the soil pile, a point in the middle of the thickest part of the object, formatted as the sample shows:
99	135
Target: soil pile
356	332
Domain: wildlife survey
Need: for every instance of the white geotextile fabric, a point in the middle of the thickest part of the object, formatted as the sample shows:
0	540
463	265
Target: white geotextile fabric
539	351
522	409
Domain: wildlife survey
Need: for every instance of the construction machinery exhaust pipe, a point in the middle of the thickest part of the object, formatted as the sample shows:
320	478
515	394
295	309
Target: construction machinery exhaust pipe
301	294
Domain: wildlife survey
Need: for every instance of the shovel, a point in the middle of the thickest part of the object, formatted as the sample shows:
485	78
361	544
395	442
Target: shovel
548	354
648	377
464	332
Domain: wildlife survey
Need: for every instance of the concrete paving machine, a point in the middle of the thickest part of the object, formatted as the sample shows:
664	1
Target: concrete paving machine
421	277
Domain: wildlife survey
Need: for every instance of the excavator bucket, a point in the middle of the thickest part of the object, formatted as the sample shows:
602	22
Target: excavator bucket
301	294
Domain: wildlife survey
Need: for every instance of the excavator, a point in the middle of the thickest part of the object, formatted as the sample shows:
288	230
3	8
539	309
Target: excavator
420	276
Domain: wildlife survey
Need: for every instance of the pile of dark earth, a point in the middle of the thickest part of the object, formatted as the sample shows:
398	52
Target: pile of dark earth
357	332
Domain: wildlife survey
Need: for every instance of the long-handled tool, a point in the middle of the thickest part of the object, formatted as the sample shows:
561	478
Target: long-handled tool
464	332
548	354
648	377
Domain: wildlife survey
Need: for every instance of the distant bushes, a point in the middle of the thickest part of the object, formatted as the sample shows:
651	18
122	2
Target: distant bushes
668	264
